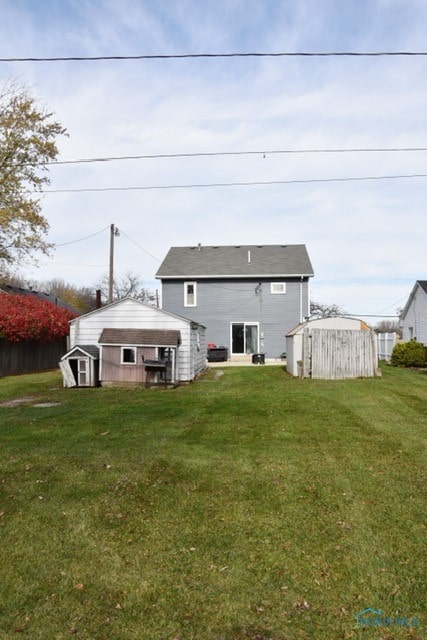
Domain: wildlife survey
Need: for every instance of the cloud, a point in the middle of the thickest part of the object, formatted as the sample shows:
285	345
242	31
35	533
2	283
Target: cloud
366	239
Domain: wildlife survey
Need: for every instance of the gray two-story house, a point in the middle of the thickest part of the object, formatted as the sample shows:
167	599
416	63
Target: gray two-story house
247	296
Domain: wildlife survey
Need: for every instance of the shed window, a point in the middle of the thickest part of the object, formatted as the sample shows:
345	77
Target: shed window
128	355
190	294
278	287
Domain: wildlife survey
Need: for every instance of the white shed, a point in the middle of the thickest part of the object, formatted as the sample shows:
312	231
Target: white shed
337	353
127	315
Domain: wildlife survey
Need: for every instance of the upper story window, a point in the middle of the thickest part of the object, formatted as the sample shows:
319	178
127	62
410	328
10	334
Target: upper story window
278	287
190	294
128	355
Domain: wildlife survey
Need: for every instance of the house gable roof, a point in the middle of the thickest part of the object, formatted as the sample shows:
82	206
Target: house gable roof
422	284
243	261
123	301
141	337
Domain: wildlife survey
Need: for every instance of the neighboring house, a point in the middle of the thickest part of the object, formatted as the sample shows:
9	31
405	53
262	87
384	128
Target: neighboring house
247	296
332	348
40	295
413	319
119	342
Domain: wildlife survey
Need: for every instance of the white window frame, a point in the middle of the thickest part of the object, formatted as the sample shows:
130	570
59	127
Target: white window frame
276	284
122	361
186	303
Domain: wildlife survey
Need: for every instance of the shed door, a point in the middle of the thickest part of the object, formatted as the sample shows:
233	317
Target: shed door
83	378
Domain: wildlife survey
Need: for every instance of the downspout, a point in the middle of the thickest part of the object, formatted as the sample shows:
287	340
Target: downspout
300	299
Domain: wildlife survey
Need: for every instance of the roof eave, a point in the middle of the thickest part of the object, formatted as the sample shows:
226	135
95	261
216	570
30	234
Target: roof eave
246	276
138	344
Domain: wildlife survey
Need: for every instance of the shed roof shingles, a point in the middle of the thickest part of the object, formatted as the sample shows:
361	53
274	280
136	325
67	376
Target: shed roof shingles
239	261
146	337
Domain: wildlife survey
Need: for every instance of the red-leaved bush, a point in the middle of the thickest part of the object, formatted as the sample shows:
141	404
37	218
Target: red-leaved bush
28	318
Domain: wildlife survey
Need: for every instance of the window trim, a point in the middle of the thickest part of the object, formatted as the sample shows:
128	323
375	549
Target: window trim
278	293
186	303
126	362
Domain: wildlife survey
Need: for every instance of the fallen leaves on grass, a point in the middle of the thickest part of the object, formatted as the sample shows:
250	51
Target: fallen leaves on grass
302	605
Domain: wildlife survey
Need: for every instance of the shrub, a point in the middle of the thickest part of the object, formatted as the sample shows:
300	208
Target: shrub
27	318
408	354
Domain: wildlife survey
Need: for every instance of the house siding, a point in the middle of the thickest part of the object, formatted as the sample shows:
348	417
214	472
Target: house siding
414	323
222	302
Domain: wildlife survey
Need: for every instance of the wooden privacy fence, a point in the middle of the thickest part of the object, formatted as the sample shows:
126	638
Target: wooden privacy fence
29	356
335	354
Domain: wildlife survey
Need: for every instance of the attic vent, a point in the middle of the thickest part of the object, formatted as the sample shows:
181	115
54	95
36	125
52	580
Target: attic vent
237	246
260	246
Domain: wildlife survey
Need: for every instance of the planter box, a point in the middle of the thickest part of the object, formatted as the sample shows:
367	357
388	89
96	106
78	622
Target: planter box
218	354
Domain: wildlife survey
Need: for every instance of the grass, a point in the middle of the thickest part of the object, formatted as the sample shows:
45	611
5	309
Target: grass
250	506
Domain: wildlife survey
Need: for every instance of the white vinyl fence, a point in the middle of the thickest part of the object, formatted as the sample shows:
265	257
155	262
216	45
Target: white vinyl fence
386	342
335	354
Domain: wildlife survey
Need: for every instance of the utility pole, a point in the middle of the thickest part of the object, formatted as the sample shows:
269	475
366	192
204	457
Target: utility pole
113	232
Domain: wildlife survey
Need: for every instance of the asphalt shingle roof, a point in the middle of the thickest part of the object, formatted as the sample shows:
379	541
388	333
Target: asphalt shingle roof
238	261
146	337
91	349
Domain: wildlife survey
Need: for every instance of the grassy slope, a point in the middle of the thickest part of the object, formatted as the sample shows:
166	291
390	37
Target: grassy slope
250	505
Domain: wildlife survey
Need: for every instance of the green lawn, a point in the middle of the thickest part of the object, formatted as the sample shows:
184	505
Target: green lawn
252	505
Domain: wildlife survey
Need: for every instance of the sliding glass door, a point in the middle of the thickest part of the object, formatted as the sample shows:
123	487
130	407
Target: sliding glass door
244	338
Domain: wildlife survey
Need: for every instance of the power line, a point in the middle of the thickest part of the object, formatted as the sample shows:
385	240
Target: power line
253	54
211	284
367	315
63	244
236	184
205	154
395	303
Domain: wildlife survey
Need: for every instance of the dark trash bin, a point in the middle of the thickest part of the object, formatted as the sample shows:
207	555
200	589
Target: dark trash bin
258	358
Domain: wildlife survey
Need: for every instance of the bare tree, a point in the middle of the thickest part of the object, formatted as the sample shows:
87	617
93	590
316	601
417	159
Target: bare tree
323	310
389	326
128	285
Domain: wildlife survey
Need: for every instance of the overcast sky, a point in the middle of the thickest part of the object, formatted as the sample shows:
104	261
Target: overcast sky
366	239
